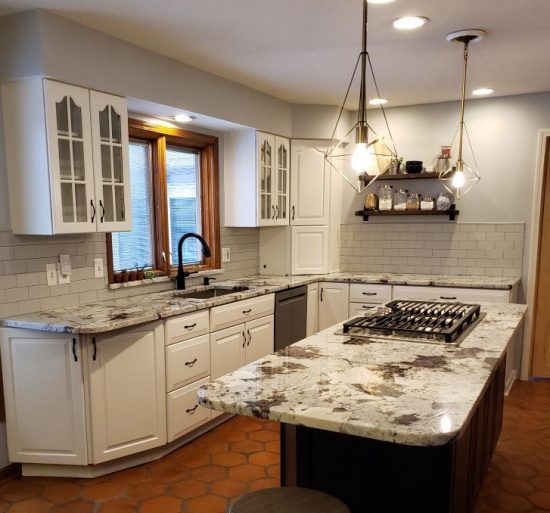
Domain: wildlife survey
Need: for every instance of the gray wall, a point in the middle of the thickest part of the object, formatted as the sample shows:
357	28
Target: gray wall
504	133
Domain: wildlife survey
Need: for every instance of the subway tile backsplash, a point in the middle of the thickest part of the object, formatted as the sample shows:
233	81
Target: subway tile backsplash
23	259
488	249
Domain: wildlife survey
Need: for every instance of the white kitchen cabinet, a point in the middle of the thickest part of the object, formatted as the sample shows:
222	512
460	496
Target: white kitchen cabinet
239	345
333	304
44	397
312	323
310	184
241	311
75	179
256	179
184	413
357	309
451	294
127	391
109	116
184	327
309	253
187	361
370	293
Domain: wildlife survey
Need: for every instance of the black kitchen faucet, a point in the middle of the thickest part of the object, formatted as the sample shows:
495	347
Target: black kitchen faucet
180	280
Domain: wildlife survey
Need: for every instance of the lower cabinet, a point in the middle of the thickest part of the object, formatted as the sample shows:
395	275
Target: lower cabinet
44	397
312	323
127	392
239	345
184	413
333	304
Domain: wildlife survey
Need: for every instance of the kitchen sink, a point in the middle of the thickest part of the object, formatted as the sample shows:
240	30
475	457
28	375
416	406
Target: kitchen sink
209	293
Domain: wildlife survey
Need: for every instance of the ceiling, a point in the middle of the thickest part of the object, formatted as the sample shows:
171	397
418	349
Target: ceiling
303	51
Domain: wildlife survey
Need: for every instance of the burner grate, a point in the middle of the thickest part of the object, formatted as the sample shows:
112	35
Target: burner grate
440	321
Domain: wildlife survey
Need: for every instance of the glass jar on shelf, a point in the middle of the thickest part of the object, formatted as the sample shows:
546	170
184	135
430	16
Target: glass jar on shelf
400	200
427	203
443	201
385	197
413	201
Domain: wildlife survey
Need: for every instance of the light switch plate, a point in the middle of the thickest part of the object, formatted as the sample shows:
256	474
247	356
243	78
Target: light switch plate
226	254
65	265
63	278
98	268
51	274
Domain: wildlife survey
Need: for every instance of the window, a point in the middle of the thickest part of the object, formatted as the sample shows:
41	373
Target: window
174	190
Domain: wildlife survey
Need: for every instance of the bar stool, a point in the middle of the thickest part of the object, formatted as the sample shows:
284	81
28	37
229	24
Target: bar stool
288	500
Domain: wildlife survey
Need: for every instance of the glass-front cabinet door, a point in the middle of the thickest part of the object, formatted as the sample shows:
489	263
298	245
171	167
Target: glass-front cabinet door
70	158
282	170
267	177
110	152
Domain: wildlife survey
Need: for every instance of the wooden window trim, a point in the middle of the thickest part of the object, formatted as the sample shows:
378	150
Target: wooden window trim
208	147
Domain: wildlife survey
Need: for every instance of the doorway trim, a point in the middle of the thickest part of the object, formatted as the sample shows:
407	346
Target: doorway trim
534	246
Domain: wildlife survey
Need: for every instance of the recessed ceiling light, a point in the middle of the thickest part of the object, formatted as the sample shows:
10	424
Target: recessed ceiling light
380	1
483	91
184	118
378	101
409	22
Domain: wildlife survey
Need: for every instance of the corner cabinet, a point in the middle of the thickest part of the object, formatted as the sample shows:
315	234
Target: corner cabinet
79	141
256	179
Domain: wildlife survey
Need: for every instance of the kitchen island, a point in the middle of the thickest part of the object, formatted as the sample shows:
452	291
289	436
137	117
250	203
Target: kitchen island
386	426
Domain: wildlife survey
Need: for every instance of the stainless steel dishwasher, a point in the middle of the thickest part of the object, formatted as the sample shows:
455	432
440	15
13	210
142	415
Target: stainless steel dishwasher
290	316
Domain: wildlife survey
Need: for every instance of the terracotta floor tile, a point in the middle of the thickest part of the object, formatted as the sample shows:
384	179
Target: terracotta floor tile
119	506
247	472
210	473
30	506
103	491
146	490
189	488
264	435
264	459
274	471
62	492
208	503
229	459
247	446
260	484
230	487
162	505
78	506
541	500
273	447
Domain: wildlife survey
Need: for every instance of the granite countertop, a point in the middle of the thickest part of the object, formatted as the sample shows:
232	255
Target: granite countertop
121	313
410	393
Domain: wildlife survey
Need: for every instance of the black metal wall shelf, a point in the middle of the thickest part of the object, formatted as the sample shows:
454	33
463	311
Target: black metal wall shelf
452	213
410	176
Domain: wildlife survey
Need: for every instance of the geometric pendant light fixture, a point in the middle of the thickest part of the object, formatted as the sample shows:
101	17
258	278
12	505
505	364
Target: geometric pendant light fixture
360	155
461	177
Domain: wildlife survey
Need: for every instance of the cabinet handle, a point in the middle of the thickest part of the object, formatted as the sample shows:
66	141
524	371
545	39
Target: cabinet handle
93	211
293	212
272	212
247	311
102	210
190	364
447	297
368	307
244	339
192	410
276	211
94	354
74	350
369	293
322	294
249	338
190	326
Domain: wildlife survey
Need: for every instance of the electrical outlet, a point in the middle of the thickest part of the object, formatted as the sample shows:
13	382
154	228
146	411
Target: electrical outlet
98	268
62	278
51	274
226	254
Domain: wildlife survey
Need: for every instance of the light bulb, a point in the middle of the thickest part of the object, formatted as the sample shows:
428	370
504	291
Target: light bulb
458	179
362	157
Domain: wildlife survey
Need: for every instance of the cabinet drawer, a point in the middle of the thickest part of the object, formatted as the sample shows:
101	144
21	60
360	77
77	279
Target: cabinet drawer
356	309
184	411
187	326
235	313
366	293
451	294
187	361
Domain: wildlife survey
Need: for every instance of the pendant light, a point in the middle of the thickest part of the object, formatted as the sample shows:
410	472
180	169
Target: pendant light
360	156
460	178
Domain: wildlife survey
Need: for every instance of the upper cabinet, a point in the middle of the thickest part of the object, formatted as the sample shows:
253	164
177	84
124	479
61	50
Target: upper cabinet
76	178
310	184
256	179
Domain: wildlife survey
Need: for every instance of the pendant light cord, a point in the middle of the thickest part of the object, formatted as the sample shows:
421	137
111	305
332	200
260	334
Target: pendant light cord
463	105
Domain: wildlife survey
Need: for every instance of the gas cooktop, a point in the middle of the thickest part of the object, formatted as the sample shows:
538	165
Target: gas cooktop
420	321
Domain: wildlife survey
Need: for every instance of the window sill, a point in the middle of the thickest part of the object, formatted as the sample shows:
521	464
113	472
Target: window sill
161	279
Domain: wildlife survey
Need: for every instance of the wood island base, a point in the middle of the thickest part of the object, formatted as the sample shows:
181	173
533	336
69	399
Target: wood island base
372	476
